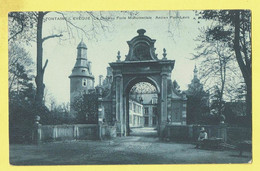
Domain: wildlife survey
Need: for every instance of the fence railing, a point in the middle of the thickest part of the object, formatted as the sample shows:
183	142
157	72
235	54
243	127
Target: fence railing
45	133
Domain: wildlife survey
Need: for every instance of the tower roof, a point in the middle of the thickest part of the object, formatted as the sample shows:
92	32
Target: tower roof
195	70
82	67
82	45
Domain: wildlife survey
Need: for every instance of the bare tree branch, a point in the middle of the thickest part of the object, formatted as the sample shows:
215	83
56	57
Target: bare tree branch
22	27
45	65
52	36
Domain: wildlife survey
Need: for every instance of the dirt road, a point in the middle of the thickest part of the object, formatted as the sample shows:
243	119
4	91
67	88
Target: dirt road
142	147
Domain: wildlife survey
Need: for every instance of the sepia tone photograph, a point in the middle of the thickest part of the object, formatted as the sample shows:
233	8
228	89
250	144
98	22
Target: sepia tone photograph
130	87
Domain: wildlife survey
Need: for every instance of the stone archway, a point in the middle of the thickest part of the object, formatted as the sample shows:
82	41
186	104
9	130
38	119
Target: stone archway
126	94
141	64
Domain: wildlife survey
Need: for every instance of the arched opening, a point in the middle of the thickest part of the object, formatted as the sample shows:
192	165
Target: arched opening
142	107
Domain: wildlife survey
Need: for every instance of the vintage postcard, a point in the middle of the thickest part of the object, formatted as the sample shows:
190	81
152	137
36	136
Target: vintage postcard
130	87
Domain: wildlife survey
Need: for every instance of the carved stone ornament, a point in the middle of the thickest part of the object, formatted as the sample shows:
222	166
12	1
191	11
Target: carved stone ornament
143	88
141	48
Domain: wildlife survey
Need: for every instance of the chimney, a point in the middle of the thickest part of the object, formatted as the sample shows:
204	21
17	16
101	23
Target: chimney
100	80
109	71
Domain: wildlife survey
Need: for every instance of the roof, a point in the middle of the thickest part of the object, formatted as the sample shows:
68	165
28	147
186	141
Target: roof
82	45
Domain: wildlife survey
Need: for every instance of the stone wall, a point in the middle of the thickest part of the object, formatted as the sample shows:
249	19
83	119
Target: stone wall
45	133
179	132
238	134
108	132
230	135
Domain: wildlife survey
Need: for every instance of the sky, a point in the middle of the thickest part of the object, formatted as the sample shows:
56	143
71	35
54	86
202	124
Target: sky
62	53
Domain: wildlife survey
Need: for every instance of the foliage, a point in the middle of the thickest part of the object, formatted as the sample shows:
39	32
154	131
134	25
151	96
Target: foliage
28	26
235	113
197	109
233	28
22	107
60	114
20	67
219	72
21	27
217	104
22	112
86	108
197	102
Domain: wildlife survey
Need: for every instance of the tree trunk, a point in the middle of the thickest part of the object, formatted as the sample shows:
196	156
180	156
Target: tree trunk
221	97
249	101
40	71
246	70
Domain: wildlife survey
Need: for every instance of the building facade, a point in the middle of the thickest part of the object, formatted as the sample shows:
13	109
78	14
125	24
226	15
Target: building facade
136	114
150	106
151	111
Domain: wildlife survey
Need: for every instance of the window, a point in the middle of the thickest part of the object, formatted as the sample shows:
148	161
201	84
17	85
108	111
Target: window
154	100
130	106
146	110
154	120
154	110
84	83
130	119
146	120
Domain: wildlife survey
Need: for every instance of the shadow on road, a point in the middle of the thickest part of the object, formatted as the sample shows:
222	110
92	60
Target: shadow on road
144	132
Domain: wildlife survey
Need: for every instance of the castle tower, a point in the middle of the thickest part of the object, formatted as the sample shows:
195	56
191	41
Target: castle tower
81	78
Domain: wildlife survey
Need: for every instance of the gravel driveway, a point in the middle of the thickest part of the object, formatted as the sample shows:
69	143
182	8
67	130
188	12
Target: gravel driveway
142	147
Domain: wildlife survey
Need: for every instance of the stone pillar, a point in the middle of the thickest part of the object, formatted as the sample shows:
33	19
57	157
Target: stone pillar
37	132
150	115
119	104
184	113
163	120
125	116
222	132
55	132
76	132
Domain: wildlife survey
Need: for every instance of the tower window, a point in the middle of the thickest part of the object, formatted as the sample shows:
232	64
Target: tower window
83	70
84	82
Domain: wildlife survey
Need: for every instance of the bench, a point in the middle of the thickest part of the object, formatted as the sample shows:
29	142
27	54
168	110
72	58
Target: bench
212	143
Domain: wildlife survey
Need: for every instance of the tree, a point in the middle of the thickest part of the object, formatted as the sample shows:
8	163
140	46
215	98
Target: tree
20	67
197	101
86	108
21	24
60	114
216	65
21	94
217	104
234	28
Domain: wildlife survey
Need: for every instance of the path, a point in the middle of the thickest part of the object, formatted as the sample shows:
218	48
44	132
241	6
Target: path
141	147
